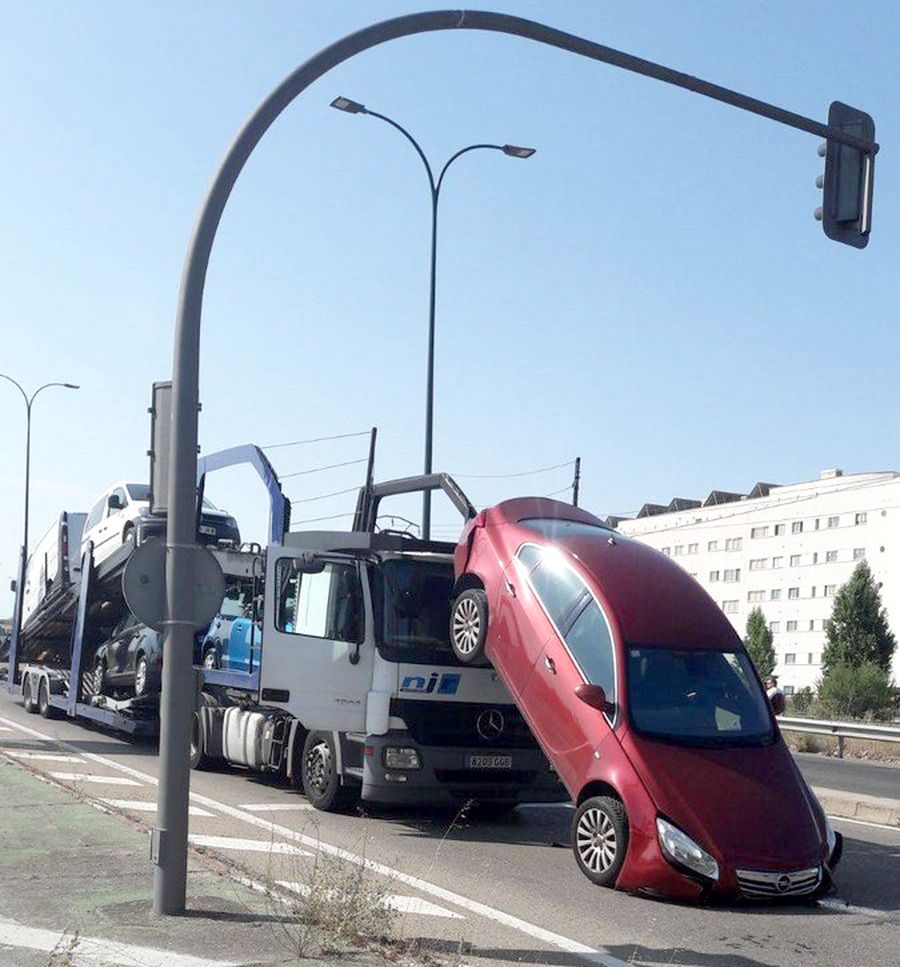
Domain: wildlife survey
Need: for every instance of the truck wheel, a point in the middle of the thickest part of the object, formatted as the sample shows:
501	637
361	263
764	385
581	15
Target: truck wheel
210	662
44	706
318	772
141	677
600	839
200	758
468	626
28	701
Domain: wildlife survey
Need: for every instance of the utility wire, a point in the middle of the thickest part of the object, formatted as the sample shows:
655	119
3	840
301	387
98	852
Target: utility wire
507	476
334	493
318	439
331	466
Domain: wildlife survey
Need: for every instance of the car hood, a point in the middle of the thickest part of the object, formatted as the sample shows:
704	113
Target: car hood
749	806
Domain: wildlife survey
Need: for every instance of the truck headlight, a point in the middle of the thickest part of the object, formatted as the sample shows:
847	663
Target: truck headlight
681	849
401	757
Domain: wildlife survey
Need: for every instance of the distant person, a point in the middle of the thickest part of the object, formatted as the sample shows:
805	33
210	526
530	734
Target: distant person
775	695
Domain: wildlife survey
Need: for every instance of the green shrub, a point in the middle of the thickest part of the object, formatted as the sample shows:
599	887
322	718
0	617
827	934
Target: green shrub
801	701
856	693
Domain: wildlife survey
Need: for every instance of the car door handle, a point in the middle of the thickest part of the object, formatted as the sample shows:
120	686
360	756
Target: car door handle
510	588
551	665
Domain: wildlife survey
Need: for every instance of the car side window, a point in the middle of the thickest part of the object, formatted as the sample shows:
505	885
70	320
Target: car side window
328	604
96	514
557	586
591	645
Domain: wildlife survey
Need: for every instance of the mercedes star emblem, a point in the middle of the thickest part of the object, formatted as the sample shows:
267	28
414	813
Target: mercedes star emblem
490	724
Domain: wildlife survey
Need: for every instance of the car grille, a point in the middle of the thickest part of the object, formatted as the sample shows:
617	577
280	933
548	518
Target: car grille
456	724
758	883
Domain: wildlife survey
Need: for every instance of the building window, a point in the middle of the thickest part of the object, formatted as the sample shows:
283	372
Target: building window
679	550
693	548
834	521
812	625
793	593
809	658
777	562
830	557
790	658
730	607
775	594
792	626
759	532
754	596
714	575
731	574
667	551
788	691
733	544
774	627
797	527
829	590
712	546
815	557
860	518
779	530
859	553
759	563
812	591
795	560
818	523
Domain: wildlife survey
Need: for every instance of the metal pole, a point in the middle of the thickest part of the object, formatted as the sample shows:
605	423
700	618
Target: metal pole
576	482
175	710
429	391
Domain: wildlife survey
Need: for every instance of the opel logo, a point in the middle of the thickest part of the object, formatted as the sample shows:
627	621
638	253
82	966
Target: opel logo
783	883
490	723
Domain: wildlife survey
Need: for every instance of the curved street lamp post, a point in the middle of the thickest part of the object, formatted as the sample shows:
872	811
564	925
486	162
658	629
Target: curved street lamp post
512	151
28	402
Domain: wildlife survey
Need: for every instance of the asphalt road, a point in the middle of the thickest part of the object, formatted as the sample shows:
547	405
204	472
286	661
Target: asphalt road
487	892
850	775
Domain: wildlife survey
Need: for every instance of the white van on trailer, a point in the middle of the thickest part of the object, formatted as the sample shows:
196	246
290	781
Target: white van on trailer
55	563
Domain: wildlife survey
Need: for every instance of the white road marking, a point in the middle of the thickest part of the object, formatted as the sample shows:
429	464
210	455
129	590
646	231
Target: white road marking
276	807
248	845
84	777
865	822
42	756
588	954
838	905
96	950
4	728
142	806
394	901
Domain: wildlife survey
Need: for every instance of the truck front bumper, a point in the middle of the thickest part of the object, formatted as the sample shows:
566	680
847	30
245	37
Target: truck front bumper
446	776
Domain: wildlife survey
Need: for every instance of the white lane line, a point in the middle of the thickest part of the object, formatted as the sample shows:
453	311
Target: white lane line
4	728
84	777
394	901
276	807
865	822
247	845
96	950
42	756
838	905
589	954
142	806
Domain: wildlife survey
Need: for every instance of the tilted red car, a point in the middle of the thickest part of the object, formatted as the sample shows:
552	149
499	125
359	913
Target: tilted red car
644	699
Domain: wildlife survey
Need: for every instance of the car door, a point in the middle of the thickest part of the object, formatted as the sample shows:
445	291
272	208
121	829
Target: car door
121	649
110	530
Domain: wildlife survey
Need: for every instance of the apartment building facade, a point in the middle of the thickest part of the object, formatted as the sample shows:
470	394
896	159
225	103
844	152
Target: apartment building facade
787	550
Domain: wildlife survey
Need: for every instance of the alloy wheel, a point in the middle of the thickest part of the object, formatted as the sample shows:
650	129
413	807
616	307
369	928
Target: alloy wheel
466	626
596	840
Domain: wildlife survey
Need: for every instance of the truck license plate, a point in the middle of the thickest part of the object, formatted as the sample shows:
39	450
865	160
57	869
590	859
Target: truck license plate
489	761
206	529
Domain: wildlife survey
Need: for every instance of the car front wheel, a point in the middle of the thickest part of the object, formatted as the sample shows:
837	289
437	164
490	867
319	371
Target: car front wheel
600	838
468	626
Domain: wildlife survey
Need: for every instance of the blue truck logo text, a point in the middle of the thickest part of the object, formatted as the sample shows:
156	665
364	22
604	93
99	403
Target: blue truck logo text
439	684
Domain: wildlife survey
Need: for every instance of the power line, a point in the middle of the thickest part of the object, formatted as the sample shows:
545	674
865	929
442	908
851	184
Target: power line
334	493
507	476
331	466
318	439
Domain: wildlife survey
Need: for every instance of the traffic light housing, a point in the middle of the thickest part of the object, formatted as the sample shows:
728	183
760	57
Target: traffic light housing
846	211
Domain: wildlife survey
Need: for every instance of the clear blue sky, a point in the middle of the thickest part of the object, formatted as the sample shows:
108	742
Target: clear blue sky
649	291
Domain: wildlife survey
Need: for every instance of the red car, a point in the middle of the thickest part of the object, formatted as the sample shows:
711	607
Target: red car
644	699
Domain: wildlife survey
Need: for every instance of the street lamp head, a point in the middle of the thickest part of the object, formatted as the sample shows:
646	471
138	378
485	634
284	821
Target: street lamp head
515	151
71	386
345	104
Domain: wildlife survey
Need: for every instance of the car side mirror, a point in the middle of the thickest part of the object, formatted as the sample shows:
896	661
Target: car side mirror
114	502
595	696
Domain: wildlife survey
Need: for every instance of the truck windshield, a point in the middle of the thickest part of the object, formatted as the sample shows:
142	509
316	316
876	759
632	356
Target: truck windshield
694	697
412	610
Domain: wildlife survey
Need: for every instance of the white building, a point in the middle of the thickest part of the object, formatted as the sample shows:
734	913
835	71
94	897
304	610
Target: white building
785	549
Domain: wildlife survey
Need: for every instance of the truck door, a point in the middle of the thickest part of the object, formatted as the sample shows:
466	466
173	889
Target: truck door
316	662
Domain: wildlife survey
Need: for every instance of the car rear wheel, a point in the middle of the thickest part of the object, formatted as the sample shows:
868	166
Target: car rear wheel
98	676
44	706
142	680
468	626
28	701
210	661
319	775
600	838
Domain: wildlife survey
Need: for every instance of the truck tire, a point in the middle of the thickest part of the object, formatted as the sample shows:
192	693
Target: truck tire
200	759
28	702
46	710
468	626
319	775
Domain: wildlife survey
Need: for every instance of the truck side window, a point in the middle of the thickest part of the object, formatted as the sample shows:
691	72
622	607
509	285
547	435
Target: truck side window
328	604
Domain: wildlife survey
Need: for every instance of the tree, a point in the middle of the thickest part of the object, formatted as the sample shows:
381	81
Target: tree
854	692
759	643
802	700
857	633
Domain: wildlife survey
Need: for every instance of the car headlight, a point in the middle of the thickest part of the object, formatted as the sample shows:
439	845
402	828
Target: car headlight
396	757
681	849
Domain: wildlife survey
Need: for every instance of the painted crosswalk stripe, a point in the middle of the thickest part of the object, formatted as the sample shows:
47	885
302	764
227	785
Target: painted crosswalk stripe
142	806
43	756
84	777
247	845
276	807
395	901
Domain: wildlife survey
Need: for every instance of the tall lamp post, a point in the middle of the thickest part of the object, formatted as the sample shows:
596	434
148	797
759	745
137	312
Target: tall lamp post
28	402
513	151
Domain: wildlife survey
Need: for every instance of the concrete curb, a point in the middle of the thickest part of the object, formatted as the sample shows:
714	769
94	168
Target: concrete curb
855	805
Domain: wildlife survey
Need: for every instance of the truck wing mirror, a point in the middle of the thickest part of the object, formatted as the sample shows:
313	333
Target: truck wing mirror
594	696
308	562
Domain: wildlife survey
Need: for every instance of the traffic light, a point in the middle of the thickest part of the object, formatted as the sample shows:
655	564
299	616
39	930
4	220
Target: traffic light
846	212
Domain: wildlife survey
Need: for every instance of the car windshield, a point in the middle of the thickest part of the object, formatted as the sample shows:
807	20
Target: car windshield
138	492
412	609
695	697
208	504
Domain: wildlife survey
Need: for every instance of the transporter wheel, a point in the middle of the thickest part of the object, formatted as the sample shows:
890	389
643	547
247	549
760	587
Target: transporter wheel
28	702
200	757
468	626
98	675
600	839
44	706
319	775
210	662
141	677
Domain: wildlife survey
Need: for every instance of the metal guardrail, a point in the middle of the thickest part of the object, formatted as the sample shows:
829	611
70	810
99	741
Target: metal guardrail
840	730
